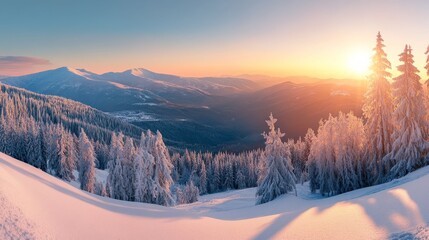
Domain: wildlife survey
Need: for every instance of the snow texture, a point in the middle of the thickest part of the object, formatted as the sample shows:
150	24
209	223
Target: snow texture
35	205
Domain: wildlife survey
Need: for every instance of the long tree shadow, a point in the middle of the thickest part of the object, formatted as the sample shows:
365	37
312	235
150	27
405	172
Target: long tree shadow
397	210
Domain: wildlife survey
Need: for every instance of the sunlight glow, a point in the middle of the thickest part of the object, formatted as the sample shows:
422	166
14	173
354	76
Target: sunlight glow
358	62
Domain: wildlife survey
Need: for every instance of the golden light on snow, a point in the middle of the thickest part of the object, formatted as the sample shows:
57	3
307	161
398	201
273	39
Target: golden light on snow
359	62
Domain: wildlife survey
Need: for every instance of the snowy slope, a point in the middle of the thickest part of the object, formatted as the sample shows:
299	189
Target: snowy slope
37	205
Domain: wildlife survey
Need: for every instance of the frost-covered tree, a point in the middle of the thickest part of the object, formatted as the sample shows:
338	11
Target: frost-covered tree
377	110
336	164
240	179
188	194
297	150
279	178
86	164
128	173
203	178
162	168
144	185
61	167
115	180
410	145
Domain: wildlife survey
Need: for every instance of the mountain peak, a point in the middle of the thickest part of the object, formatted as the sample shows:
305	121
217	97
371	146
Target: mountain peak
79	72
139	72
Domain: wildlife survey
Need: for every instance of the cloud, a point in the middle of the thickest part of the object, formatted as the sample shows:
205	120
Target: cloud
20	62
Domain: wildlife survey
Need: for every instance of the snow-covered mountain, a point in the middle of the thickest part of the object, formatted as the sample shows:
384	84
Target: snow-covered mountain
83	86
35	205
133	84
140	77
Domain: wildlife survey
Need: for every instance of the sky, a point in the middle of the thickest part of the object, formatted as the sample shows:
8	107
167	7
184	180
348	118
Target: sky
201	38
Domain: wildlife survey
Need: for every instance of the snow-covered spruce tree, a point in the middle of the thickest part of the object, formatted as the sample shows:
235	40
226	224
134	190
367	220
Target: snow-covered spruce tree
410	145
378	110
60	151
86	164
336	155
203	178
162	169
279	178
297	150
321	160
128	173
115	181
144	185
188	194
240	180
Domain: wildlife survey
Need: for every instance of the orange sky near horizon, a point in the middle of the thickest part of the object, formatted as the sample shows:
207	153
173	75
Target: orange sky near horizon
221	38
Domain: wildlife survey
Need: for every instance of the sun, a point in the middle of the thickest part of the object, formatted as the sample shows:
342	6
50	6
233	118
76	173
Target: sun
358	62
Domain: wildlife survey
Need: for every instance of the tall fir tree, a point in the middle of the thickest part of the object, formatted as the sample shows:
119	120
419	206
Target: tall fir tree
162	168
378	110
86	164
410	145
336	163
115	181
128	173
279	178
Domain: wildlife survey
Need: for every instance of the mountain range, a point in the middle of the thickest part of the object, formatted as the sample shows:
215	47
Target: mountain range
206	113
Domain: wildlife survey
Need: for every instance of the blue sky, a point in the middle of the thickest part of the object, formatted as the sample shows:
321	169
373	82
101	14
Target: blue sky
314	38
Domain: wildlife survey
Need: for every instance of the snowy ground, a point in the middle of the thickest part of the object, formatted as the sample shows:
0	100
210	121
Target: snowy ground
35	205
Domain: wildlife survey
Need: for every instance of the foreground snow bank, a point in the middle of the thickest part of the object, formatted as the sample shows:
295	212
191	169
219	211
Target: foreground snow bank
35	205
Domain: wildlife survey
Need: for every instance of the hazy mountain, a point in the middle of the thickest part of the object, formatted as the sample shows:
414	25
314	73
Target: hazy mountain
178	89
269	81
201	113
297	107
83	86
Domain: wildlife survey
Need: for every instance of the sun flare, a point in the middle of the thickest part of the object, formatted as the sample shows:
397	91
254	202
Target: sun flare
358	62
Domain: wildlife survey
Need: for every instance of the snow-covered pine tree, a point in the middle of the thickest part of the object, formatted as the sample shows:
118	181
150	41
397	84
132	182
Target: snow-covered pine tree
279	178
335	161
128	165
40	161
163	166
86	164
144	185
188	194
68	157
115	180
240	180
378	110
410	145
203	179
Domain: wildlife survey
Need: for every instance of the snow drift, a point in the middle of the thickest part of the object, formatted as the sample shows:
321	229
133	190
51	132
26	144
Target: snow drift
35	205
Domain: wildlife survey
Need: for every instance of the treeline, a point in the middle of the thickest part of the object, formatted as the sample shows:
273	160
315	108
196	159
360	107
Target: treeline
212	173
